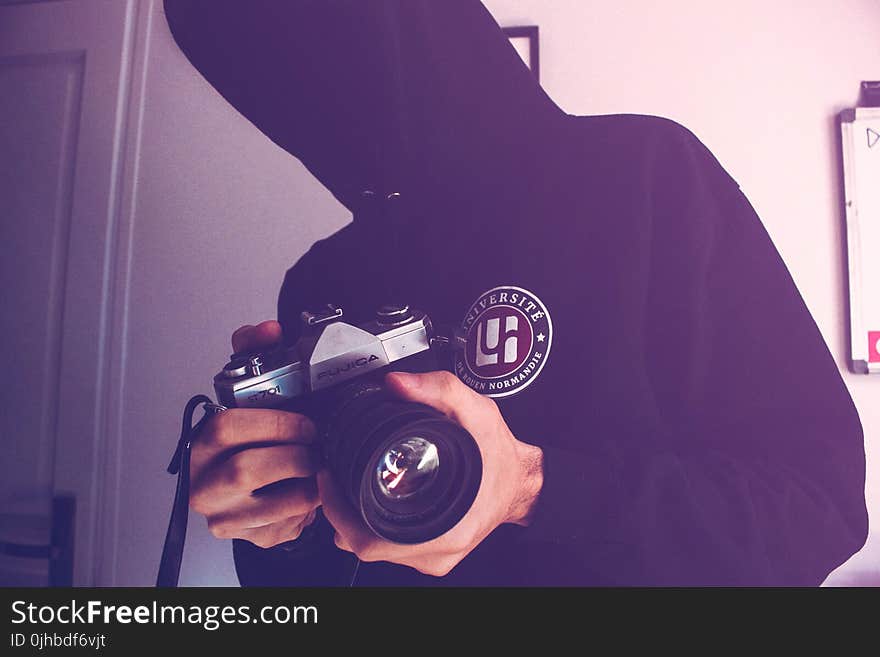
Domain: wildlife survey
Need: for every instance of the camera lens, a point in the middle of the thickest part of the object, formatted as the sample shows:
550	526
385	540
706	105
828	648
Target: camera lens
407	468
411	472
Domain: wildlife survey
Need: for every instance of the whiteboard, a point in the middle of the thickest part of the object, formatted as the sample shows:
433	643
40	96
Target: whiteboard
860	131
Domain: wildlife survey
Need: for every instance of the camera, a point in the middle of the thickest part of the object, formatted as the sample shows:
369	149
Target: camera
410	471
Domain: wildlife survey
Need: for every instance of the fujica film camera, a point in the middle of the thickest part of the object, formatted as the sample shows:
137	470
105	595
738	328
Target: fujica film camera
410	471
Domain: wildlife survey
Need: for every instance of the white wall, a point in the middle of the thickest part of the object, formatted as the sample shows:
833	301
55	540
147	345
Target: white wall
218	212
761	84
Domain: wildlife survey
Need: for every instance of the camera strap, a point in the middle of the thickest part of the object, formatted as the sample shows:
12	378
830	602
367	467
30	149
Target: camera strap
172	551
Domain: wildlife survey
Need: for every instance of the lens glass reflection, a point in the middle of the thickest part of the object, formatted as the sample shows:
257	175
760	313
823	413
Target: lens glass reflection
407	467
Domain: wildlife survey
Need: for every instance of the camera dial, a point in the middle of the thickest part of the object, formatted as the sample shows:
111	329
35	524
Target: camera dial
393	315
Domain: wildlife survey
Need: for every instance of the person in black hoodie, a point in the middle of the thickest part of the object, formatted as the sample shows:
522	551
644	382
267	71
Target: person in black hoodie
683	422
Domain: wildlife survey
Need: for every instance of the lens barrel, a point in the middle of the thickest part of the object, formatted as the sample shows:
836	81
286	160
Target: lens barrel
411	472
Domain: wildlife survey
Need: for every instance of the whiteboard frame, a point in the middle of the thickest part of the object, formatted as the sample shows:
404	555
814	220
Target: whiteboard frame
856	249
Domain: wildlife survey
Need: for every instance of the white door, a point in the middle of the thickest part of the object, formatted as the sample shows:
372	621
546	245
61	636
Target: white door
64	70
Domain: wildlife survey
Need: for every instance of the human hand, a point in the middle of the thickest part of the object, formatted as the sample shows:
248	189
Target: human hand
252	470
510	485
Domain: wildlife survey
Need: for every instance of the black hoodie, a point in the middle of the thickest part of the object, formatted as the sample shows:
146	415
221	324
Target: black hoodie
695	428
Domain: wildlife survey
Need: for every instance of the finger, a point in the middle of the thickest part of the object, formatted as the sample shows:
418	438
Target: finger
420	560
240	337
249	337
354	534
296	498
341	543
441	390
243	427
288	529
250	469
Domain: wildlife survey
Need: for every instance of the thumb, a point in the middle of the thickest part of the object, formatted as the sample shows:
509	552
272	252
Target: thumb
251	338
440	390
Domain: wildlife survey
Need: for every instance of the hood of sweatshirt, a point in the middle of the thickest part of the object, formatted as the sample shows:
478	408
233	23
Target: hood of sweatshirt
387	96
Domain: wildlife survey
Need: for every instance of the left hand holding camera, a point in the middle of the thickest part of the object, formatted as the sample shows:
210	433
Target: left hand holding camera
510	485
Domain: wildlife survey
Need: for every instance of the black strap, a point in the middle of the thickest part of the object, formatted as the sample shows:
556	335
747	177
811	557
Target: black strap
172	552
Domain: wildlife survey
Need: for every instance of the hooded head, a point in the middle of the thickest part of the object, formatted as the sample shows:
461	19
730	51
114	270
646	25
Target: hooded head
385	95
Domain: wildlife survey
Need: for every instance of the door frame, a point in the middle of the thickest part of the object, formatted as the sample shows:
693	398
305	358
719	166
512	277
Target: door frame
81	455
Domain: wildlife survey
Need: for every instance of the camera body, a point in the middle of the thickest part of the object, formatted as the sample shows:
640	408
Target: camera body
410	471
329	353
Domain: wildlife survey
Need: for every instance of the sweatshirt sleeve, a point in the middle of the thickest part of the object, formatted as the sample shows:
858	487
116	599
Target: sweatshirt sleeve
754	472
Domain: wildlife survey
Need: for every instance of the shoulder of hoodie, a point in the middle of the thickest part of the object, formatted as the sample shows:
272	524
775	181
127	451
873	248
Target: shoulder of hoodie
634	146
643	144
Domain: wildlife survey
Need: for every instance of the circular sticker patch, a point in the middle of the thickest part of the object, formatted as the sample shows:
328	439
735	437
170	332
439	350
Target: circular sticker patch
508	333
